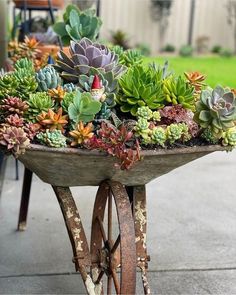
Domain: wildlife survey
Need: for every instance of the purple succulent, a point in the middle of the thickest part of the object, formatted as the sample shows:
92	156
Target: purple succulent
85	56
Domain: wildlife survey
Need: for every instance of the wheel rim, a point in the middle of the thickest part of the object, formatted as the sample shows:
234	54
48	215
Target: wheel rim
112	255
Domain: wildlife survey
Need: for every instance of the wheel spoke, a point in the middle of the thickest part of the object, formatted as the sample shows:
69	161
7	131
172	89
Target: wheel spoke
104	237
109	285
117	242
99	277
109	226
116	281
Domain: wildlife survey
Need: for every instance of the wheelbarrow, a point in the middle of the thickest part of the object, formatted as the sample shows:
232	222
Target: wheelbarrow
111	261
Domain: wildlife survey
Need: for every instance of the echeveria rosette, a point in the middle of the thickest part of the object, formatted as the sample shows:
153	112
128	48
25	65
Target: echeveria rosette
87	56
229	138
216	110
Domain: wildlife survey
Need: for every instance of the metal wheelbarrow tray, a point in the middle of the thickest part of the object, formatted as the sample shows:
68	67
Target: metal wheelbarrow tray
109	264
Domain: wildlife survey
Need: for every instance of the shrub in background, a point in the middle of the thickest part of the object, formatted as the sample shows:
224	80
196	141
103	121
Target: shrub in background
216	49
226	52
169	48
186	50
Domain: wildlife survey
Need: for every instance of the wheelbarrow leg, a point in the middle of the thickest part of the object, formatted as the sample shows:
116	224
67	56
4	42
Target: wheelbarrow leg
25	196
76	234
140	221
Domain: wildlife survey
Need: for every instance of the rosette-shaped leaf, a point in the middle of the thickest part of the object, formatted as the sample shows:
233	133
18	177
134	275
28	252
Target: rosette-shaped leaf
144	112
229	137
52	121
14	139
14	120
57	94
69	87
81	134
178	131
52	138
87	56
158	136
13	105
216	110
47	78
140	86
178	91
83	108
8	85
38	102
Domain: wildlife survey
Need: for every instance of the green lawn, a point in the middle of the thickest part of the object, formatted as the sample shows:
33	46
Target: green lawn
217	69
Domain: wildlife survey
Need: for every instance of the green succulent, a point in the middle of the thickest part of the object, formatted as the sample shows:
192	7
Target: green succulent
67	100
47	78
158	136
229	137
175	132
24	65
83	108
128	57
178	91
216	110
209	136
78	24
108	82
156	116
140	86
8	85
38	102
26	86
144	112
52	138
142	130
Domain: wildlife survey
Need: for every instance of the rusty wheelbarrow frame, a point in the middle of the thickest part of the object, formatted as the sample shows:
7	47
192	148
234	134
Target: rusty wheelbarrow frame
110	263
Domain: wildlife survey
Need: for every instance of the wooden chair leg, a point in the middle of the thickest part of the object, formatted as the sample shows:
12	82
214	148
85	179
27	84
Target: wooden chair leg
25	196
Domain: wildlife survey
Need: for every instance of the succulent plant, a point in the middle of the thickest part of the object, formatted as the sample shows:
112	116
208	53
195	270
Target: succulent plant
13	105
216	110
70	87
209	136
145	112
52	138
195	79
142	130
229	137
38	102
83	108
47	78
14	120
158	136
26	65
176	132
178	91
67	100
131	57
140	86
87	56
52	121
57	94
27	85
105	112
78	24
14	139
8	86
81	134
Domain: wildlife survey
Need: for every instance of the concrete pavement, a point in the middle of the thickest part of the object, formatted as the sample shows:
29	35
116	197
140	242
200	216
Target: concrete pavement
191	233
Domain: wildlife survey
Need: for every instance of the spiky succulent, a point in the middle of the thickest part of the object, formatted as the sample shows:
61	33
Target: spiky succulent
47	78
78	24
83	108
216	110
229	137
14	120
87	56
8	85
131	57
38	102
158	136
26	65
13	105
81	134
195	79
140	86
57	94
52	121
209	136
52	138
178	91
14	139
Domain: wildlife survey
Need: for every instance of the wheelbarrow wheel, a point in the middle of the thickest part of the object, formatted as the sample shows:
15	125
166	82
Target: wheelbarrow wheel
113	249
